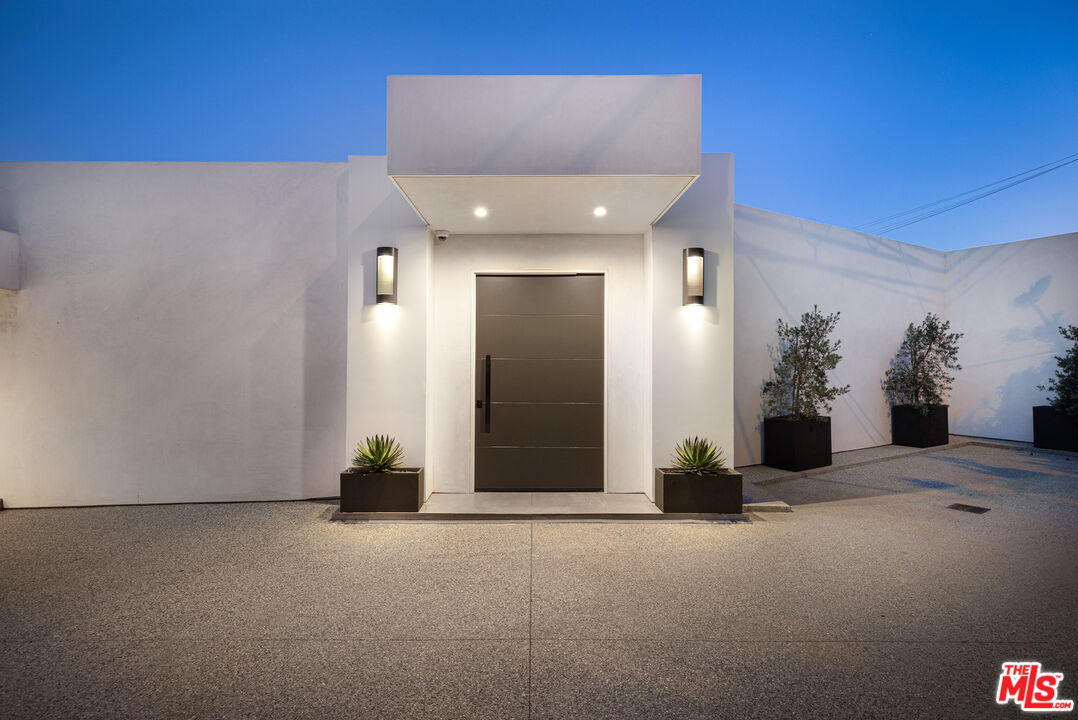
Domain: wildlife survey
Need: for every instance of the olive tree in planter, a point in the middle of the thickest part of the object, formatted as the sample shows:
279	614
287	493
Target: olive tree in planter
797	435
376	482
1055	426
918	381
698	482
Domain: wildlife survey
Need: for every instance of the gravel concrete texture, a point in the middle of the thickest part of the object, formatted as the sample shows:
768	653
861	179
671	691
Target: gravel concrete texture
872	599
694	679
764	475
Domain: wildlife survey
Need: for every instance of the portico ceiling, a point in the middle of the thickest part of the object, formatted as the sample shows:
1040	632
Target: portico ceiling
542	204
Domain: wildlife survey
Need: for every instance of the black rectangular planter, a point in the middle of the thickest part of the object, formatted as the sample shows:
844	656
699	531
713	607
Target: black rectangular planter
1054	430
797	444
398	491
912	429
677	492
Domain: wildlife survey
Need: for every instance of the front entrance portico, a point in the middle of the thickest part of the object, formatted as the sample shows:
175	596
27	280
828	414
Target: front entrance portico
486	189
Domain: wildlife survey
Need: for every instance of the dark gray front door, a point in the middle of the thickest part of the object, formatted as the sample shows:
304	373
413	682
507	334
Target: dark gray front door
539	382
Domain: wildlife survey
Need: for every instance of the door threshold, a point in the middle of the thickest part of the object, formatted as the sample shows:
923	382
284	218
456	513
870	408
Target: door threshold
538	506
539	503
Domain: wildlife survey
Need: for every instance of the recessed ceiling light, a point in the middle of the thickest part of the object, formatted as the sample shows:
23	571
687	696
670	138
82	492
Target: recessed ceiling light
480	212
599	211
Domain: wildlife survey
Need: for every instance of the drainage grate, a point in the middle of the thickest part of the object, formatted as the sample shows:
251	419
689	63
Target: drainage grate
968	508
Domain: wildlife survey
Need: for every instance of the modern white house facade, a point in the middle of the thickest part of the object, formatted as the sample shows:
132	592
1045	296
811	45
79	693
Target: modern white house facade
176	332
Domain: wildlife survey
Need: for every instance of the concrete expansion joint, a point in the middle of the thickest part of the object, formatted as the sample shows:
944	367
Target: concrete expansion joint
504	518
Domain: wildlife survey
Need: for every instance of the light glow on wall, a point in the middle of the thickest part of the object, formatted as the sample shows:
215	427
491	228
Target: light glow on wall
480	212
599	211
386	280
385	314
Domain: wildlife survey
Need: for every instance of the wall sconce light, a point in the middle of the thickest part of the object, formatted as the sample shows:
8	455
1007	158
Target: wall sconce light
692	276
386	281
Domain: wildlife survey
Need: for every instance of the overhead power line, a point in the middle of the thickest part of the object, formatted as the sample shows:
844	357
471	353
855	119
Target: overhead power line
894	222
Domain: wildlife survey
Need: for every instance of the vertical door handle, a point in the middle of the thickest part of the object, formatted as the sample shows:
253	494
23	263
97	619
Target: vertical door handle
486	396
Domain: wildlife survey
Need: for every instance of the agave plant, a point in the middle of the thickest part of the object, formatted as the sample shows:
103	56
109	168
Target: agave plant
698	456
377	454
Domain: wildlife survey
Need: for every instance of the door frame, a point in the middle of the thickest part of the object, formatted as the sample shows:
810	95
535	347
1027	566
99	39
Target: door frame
476	274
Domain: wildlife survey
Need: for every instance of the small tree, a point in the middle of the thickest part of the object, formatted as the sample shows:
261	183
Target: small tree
800	386
1065	383
919	376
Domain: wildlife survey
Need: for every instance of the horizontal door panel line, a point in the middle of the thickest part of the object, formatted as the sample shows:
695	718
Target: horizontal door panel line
543	315
540	447
539	489
545	359
496	357
538	274
536	402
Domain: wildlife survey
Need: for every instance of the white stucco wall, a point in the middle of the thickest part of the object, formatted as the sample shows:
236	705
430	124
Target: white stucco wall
543	124
10	271
387	344
182	328
782	266
1009	300
693	346
179	334
455	263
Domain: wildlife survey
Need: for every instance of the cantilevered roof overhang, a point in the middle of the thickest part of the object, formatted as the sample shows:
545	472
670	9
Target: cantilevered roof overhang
540	153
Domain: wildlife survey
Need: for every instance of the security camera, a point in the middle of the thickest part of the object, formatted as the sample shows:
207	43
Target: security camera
441	235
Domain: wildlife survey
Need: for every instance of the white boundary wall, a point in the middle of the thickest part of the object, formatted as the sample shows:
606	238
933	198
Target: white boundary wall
1007	299
782	266
178	335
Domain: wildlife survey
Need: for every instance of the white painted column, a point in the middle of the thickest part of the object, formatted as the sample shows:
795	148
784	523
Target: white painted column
693	346
387	344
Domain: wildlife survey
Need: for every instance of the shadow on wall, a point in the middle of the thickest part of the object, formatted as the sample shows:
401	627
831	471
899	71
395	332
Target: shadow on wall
857	410
7	204
602	139
325	369
868	427
849	273
878	248
850	266
315	323
960	272
1008	410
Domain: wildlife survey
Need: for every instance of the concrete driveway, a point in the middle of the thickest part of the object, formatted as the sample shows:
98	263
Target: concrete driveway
872	599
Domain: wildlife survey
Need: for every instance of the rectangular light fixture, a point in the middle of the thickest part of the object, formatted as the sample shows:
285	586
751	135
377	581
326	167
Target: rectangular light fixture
692	276
386	281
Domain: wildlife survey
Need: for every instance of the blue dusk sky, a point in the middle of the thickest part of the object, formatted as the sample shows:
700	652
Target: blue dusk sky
840	112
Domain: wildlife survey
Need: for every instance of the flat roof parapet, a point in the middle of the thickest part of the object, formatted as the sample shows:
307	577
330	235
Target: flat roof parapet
498	154
543	125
